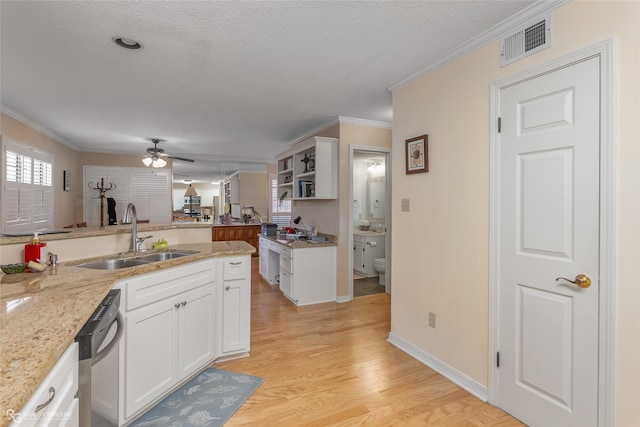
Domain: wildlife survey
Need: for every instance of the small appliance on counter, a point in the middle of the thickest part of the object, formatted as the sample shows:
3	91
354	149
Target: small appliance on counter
269	229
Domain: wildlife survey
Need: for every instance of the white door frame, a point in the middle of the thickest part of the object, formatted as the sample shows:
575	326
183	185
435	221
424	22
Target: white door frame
387	208
606	317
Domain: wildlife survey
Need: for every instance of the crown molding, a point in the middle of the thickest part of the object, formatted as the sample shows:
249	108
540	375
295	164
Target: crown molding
314	131
340	120
364	122
482	39
36	126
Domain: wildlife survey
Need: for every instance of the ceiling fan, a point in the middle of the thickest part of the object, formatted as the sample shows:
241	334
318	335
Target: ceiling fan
155	155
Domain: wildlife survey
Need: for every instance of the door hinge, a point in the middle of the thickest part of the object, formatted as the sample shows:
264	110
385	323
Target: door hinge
497	359
499	124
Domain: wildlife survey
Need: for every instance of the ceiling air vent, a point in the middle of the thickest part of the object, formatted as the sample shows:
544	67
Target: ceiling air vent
524	41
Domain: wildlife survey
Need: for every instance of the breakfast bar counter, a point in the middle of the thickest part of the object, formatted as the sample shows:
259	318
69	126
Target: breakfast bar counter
42	313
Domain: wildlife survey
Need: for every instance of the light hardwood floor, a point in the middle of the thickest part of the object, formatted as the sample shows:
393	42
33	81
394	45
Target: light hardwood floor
330	365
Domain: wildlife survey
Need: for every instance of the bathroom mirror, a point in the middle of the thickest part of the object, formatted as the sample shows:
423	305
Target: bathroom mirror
376	197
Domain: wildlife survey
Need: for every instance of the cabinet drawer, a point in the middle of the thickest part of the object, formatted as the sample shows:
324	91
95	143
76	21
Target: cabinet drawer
152	287
58	388
236	268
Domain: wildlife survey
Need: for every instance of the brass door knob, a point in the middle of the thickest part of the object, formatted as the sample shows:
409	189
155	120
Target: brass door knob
581	280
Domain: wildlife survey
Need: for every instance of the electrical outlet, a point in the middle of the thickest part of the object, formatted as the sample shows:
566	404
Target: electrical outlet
432	320
405	205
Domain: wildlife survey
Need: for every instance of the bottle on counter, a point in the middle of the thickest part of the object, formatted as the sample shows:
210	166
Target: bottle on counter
36	250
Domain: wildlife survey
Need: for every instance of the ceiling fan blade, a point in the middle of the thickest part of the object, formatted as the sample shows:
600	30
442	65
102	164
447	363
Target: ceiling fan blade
181	158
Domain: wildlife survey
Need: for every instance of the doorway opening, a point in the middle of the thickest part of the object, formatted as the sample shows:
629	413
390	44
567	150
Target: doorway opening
370	221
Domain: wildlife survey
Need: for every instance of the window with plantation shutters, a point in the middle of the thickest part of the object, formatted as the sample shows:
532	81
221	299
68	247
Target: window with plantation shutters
27	196
148	189
280	209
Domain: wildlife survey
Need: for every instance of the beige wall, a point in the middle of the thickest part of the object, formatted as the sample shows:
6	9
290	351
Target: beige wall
255	190
440	251
67	204
332	216
351	135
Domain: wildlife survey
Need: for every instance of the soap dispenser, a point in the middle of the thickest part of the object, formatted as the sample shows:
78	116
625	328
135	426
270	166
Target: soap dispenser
36	250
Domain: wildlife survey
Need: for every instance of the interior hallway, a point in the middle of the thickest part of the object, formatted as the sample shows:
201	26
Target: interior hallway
330	365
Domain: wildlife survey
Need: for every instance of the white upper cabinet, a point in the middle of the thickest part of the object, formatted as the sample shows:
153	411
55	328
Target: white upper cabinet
309	170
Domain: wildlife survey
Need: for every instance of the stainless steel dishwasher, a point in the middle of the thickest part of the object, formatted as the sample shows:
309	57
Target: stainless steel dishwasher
93	347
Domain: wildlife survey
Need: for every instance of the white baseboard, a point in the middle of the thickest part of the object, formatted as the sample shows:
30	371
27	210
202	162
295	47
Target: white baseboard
343	298
457	377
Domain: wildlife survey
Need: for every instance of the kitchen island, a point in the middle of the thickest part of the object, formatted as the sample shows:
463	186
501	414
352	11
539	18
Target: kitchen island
43	312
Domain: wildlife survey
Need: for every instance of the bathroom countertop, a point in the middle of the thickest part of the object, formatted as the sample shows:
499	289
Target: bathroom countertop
368	233
41	313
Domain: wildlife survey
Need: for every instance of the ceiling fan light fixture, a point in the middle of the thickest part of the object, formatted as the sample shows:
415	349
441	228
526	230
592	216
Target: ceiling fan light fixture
147	161
159	163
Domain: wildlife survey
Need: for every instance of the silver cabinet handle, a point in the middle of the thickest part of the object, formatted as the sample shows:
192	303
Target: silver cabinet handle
183	303
227	288
52	395
236	263
176	305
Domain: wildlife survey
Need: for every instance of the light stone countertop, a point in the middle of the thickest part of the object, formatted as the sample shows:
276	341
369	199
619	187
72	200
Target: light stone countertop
300	244
75	233
41	314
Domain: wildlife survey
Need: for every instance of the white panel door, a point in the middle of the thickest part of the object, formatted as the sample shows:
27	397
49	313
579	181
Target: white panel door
549	228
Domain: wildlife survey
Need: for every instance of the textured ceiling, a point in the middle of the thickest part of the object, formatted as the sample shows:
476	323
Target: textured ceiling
234	81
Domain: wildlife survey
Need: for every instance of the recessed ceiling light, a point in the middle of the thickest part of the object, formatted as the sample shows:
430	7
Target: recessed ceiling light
127	43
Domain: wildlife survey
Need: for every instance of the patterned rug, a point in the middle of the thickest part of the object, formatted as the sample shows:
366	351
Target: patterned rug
209	399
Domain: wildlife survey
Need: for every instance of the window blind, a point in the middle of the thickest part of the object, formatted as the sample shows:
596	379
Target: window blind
27	196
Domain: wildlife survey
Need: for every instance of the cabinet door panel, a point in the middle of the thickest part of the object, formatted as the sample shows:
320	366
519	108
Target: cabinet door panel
219	234
358	257
151	358
197	329
235	316
235	233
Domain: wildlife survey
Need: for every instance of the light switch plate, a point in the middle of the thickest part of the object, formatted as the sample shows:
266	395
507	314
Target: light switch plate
405	205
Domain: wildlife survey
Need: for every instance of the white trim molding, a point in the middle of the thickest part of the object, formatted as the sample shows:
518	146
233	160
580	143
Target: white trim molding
36	126
452	374
538	8
604	50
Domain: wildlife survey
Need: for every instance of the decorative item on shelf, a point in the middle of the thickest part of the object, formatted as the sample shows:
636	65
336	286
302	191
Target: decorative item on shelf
306	159
102	191
287	179
364	225
191	191
285	164
312	163
417	154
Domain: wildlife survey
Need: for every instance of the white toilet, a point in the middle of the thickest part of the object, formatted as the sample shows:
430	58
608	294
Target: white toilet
379	266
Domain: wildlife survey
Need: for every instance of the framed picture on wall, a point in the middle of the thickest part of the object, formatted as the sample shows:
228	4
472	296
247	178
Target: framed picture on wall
417	155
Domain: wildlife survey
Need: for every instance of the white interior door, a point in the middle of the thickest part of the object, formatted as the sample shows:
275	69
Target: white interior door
549	228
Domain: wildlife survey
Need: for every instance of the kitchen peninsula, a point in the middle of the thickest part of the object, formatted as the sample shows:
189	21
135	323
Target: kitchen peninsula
42	312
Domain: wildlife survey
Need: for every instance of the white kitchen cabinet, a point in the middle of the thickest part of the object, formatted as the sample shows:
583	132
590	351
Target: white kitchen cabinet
235	306
286	272
366	248
54	402
270	260
170	330
309	170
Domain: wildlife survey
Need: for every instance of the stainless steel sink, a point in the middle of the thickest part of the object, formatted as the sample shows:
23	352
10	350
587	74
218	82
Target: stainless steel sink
162	256
117	263
113	264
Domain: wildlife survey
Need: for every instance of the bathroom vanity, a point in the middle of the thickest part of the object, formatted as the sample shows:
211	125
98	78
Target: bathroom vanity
367	246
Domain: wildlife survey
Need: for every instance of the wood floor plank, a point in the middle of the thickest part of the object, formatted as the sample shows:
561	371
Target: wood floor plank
331	365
